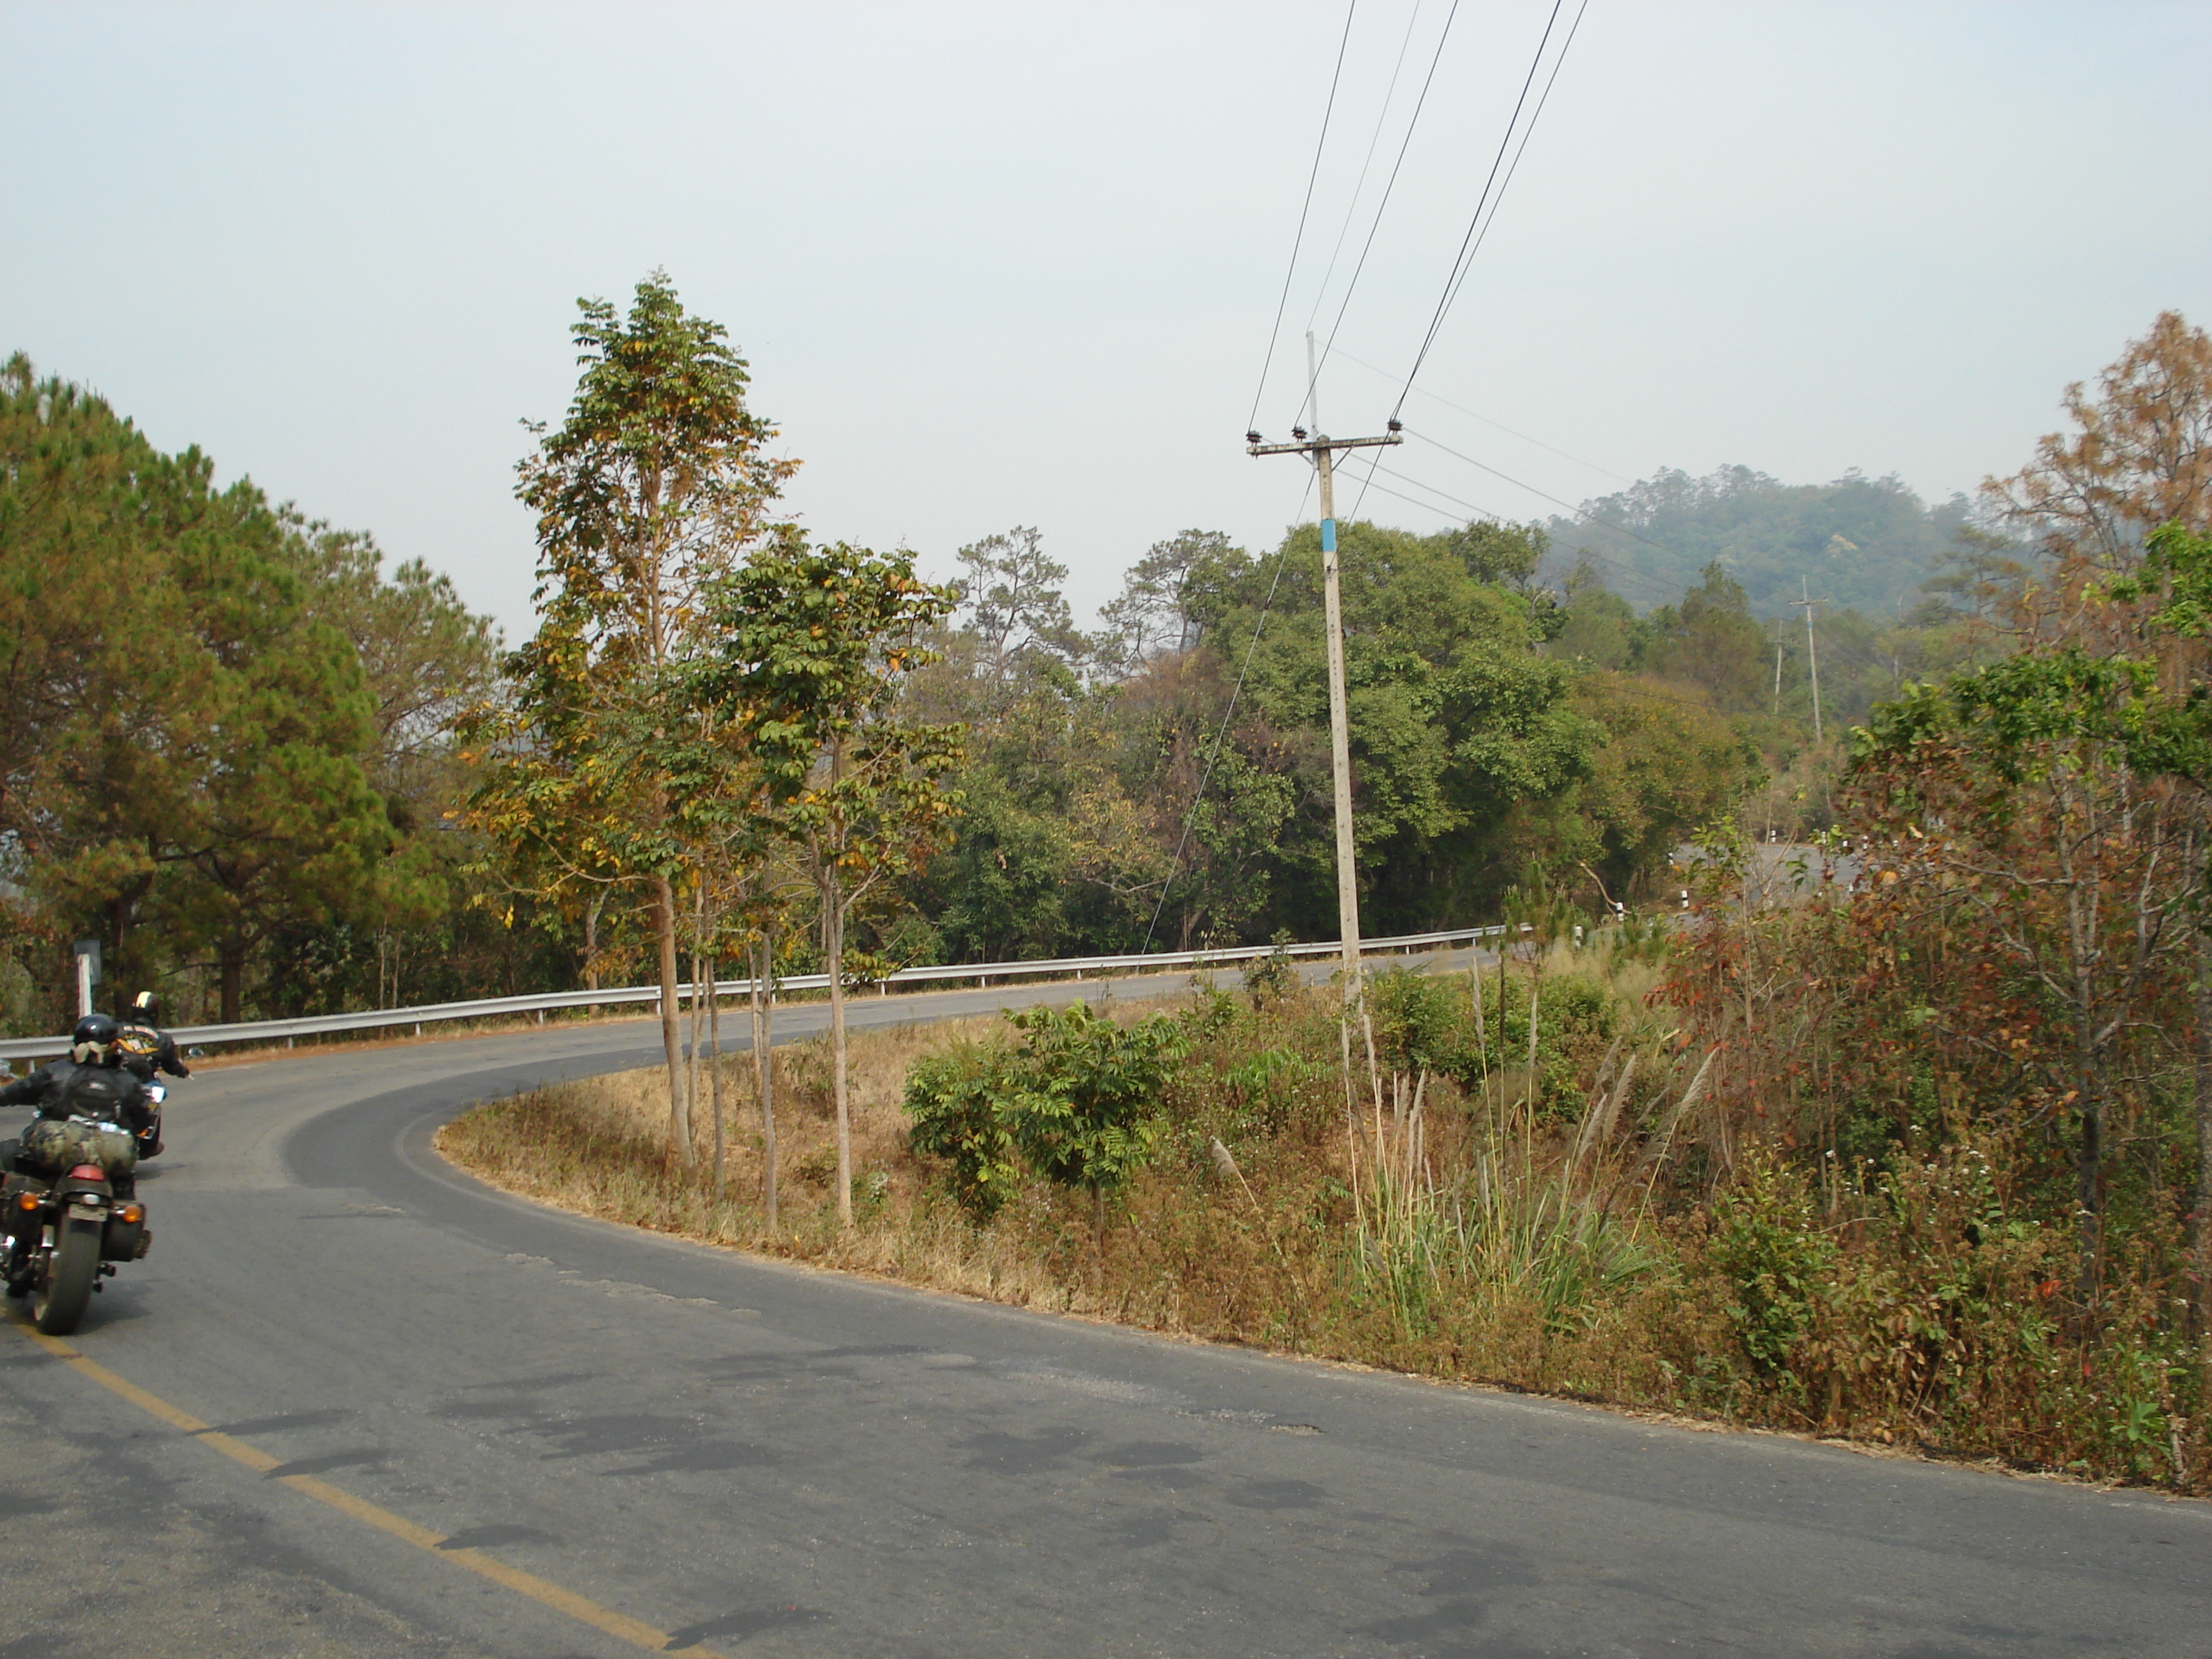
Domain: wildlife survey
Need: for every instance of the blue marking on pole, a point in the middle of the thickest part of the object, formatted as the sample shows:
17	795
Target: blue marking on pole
1328	535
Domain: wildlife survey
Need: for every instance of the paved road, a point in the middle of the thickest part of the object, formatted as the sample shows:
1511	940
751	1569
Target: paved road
356	1404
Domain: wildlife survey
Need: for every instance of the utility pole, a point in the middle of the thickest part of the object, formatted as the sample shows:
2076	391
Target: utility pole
1812	652
1321	449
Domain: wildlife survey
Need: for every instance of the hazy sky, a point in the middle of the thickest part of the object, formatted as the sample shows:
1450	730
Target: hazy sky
1002	264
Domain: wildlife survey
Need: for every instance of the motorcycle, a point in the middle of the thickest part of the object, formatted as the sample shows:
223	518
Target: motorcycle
65	1233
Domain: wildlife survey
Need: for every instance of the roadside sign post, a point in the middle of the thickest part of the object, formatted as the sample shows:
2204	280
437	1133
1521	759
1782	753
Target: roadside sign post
87	973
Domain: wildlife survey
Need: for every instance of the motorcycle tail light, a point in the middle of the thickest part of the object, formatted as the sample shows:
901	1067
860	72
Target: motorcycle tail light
131	1214
88	1172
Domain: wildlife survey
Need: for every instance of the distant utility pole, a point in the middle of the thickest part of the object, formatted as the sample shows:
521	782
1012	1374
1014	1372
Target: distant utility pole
1321	450
1777	677
1812	652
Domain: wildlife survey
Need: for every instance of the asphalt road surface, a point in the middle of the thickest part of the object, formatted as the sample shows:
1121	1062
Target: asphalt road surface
356	1404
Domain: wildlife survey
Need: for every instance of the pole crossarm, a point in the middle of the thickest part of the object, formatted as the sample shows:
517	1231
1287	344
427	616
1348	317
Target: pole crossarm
1313	445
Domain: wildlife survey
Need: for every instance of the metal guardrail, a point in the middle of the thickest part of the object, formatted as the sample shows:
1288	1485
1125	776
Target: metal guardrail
982	972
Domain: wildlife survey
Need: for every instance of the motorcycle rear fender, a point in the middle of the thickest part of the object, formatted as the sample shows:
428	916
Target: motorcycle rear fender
85	1185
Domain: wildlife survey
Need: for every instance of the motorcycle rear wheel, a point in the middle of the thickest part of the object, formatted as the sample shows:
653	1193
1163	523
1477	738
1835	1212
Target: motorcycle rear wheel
58	1303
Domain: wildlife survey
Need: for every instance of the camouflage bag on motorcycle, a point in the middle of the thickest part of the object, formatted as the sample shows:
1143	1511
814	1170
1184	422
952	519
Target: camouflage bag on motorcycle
55	1144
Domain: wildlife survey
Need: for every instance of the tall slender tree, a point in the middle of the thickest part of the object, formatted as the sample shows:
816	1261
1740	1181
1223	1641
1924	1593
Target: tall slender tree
658	481
816	643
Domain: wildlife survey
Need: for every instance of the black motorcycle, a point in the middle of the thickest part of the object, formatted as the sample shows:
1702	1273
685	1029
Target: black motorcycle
65	1232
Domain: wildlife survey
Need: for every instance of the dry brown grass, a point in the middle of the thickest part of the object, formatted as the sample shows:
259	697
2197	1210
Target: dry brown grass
1258	1260
599	1146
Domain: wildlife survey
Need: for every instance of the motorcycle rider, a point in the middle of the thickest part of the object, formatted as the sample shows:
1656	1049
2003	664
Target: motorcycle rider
92	1081
147	1049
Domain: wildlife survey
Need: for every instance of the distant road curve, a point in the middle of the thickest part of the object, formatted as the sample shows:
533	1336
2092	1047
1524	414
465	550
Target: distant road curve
356	1403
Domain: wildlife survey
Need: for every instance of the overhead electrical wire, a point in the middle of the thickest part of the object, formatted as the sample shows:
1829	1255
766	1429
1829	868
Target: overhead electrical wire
1486	201
1352	207
1298	240
1579	512
1475	414
1478	228
1390	184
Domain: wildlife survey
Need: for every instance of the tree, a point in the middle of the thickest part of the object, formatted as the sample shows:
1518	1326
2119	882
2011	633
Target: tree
1152	616
222	730
1711	641
2140	457
284	823
427	660
1602	628
1013	604
656	483
1654	537
814	644
1499	553
2027	801
2176	575
204	769
1075	1102
1052	853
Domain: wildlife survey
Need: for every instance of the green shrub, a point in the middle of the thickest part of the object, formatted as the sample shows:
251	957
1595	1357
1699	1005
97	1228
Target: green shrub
1075	1103
1776	1261
965	1112
1270	979
1426	1021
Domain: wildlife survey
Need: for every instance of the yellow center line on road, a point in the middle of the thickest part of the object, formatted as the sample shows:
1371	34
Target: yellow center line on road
584	1611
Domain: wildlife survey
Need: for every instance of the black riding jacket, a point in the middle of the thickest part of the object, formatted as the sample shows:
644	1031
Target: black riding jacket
65	1087
147	1049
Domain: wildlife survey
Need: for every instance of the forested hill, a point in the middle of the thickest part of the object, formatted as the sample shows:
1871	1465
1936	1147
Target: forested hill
1867	543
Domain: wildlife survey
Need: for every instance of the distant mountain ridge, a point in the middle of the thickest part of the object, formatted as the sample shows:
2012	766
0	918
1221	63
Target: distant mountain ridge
1864	542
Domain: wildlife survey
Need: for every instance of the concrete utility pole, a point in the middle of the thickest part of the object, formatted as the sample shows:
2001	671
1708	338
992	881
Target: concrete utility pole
1321	450
1812	652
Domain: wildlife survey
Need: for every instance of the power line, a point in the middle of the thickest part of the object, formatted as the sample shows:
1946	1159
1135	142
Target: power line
1579	512
1367	247
1298	240
1458	280
1471	507
1468	242
1352	208
1436	398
